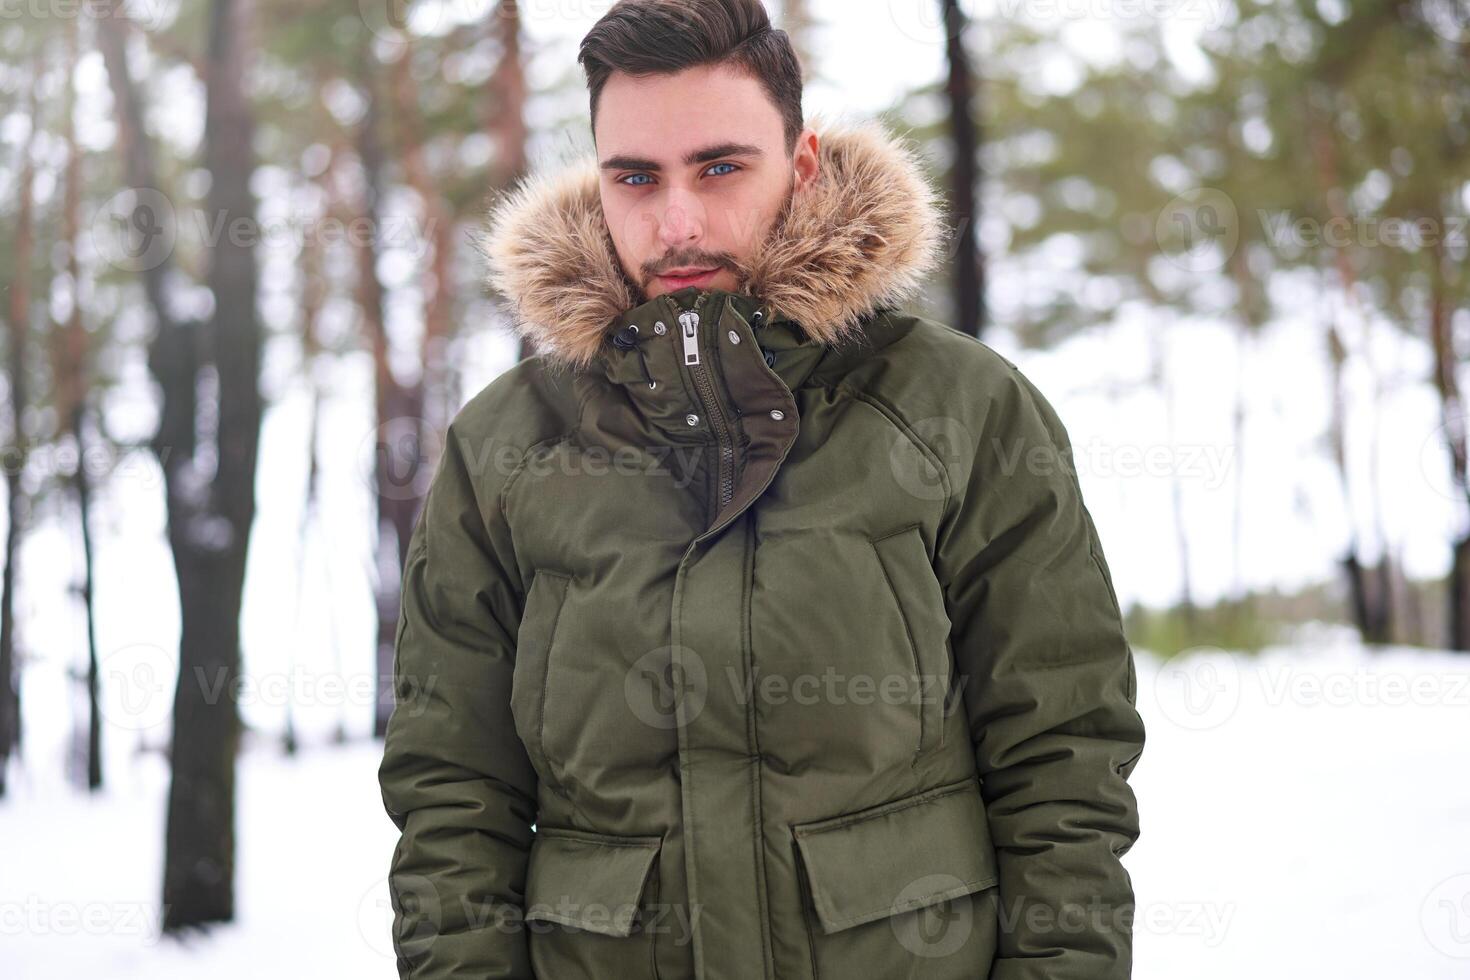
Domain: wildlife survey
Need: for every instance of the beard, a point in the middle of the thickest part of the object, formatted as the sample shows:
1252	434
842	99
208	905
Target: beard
743	269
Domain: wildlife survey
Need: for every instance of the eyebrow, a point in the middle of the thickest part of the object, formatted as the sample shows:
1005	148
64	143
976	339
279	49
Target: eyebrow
704	155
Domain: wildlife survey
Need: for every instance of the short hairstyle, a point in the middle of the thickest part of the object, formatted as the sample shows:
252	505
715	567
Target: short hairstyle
663	37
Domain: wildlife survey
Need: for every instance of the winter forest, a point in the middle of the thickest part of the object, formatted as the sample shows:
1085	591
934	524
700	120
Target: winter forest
239	304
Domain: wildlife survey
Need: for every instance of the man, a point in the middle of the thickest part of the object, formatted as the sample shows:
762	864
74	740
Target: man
753	628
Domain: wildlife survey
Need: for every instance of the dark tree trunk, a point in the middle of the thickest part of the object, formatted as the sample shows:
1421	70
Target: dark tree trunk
210	495
969	263
211	548
505	118
1370	589
1452	417
398	423
18	313
69	356
83	487
799	24
1459	608
405	414
1370	593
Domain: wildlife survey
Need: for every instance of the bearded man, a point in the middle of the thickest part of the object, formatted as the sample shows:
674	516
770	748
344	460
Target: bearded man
754	628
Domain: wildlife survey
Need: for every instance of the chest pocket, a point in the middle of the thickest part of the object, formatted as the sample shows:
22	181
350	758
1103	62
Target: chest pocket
916	591
535	650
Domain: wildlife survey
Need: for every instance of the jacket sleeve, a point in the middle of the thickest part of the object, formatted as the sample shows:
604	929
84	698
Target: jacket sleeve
1049	687
455	778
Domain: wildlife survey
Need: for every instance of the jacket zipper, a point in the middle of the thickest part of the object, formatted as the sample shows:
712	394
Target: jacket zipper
689	330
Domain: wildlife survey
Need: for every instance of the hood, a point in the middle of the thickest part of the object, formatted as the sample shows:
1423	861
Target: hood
865	234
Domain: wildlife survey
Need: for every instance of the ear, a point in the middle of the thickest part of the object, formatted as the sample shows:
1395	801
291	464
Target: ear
806	158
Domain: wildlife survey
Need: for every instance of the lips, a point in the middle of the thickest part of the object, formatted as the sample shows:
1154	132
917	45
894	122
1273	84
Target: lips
680	280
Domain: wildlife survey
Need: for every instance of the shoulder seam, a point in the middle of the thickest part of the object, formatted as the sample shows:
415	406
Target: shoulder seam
899	422
520	467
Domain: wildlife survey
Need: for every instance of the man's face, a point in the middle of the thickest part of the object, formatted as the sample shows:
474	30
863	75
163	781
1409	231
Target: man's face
694	172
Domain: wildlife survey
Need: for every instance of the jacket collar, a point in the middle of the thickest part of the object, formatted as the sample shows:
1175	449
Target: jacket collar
864	235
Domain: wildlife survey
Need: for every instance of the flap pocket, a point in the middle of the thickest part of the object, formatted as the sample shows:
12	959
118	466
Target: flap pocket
593	882
899	856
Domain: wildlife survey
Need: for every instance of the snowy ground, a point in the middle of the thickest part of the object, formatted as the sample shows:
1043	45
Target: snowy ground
1305	814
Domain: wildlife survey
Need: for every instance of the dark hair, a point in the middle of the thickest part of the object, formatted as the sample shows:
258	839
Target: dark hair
662	37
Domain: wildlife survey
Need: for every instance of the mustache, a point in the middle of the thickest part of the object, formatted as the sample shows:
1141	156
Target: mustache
699	259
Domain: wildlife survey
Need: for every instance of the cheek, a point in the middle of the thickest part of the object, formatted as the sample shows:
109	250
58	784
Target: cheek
632	226
742	220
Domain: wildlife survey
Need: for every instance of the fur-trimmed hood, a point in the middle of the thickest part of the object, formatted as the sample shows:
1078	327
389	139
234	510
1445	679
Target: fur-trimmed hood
865	234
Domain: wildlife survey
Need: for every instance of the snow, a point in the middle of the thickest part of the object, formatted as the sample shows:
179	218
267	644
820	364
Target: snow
1305	812
82	876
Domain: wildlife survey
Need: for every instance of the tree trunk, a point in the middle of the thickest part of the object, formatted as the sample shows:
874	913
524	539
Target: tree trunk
505	118
81	482
211	494
16	503
398	429
69	366
969	263
1459	586
438	229
1159	378
799	24
1370	591
1452	425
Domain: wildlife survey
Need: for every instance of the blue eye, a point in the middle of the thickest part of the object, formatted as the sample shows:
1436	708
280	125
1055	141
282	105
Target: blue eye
631	182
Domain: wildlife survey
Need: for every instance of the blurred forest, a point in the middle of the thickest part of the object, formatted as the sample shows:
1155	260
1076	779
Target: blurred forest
208	205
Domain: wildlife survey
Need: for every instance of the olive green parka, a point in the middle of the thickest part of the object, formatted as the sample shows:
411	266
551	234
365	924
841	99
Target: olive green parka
757	635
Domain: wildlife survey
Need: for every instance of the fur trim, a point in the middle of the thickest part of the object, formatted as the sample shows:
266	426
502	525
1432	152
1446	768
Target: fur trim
865	234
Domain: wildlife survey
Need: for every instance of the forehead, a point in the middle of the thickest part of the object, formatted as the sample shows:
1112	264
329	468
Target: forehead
661	117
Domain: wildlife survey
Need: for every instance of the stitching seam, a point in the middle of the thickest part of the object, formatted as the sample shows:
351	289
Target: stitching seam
909	632
546	678
822	826
916	903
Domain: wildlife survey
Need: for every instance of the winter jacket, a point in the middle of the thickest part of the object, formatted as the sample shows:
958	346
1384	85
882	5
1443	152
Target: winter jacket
757	635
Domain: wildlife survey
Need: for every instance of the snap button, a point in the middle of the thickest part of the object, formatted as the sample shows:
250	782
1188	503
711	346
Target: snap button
734	337
692	419
660	329
777	414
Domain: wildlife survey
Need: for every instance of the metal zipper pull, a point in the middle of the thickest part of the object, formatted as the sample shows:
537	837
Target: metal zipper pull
689	322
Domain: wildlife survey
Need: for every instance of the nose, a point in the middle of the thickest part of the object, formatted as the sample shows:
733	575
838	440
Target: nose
682	221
